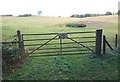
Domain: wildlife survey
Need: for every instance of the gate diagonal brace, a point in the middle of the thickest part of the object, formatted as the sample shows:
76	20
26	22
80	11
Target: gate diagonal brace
81	44
42	45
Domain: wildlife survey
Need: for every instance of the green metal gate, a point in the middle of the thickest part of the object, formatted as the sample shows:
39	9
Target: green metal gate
69	43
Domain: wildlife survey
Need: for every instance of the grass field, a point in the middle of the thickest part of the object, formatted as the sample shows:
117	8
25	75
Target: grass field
65	67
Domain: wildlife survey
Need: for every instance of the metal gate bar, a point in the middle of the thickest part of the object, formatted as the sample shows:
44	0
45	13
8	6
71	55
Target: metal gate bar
63	48
59	43
63	54
58	38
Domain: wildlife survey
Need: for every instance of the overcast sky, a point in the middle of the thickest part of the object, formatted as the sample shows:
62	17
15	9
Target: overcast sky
57	7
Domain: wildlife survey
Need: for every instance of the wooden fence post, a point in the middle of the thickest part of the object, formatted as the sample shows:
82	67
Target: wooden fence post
116	39
20	42
104	44
98	41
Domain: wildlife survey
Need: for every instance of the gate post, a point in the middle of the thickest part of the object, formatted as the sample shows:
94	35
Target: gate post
98	41
20	43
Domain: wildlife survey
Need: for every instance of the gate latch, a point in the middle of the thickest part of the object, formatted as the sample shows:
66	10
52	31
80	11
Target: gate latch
63	35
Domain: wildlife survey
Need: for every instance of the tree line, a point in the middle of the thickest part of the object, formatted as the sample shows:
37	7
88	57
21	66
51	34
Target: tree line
92	15
74	15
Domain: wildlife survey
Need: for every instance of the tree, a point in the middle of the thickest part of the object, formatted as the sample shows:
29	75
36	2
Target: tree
39	12
108	13
87	15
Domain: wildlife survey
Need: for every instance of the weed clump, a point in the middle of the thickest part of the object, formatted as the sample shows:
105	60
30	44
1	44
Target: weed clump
10	57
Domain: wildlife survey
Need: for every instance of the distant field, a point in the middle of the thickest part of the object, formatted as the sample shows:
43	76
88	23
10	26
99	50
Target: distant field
64	67
37	24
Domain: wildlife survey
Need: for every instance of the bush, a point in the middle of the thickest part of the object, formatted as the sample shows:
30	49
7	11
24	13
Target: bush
71	25
6	15
75	25
81	25
10	57
108	13
25	15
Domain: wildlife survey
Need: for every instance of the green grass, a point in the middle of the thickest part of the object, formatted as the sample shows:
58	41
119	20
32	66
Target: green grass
68	68
78	67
